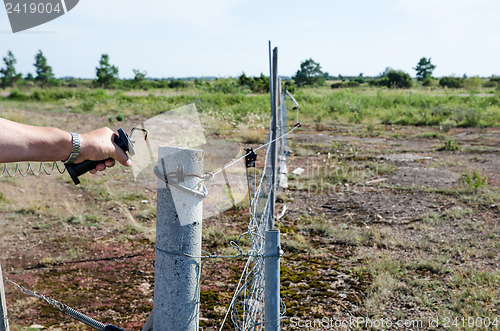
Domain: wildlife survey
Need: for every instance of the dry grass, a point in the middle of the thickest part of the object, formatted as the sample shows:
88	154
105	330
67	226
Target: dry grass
340	260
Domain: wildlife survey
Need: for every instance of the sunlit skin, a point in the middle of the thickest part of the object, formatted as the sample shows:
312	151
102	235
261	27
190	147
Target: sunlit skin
21	142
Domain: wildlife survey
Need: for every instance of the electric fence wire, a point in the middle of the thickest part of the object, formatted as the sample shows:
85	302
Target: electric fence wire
62	307
297	125
30	169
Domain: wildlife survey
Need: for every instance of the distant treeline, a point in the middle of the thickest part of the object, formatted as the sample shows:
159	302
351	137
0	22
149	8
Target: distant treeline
107	77
309	74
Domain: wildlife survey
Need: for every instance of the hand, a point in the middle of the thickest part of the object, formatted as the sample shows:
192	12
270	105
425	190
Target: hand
98	145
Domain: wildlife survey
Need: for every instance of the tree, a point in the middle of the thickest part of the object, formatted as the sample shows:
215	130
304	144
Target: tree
394	79
399	79
139	76
44	73
424	69
9	75
309	74
106	73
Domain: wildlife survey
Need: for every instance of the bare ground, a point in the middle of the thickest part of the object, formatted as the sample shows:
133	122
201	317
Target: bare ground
378	226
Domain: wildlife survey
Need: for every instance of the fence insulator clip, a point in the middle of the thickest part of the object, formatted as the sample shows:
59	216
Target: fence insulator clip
250	158
180	174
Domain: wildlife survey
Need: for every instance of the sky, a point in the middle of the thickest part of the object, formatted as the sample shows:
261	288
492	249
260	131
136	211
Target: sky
223	38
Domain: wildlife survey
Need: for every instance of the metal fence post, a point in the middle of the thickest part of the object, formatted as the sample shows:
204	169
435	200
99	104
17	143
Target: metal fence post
4	322
178	241
272	277
271	249
274	126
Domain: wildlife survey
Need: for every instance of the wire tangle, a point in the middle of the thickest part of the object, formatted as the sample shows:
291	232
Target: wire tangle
246	309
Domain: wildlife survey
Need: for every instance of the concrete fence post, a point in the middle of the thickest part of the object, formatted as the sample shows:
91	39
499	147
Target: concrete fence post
178	241
4	321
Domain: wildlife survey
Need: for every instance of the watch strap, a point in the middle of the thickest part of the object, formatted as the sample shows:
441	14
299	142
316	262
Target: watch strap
75	150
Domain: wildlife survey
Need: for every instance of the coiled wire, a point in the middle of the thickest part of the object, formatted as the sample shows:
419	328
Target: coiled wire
30	169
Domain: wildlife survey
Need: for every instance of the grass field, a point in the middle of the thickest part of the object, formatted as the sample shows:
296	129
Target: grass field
395	217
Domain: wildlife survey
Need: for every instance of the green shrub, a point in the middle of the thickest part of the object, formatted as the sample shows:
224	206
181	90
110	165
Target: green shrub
429	82
447	124
396	79
224	85
473	83
450	145
352	84
490	83
472	118
345	85
201	83
474	180
451	82
17	95
393	79
360	79
290	86
177	83
260	84
88	104
382	81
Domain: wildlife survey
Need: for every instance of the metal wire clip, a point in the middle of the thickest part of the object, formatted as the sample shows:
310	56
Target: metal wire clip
179	177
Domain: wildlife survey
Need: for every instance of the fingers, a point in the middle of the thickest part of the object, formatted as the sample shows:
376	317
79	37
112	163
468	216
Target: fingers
108	163
102	166
99	145
120	156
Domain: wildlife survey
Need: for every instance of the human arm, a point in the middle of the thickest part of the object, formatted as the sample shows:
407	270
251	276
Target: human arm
21	142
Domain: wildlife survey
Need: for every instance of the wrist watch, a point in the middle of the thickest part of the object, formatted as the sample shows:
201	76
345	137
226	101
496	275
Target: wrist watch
75	150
